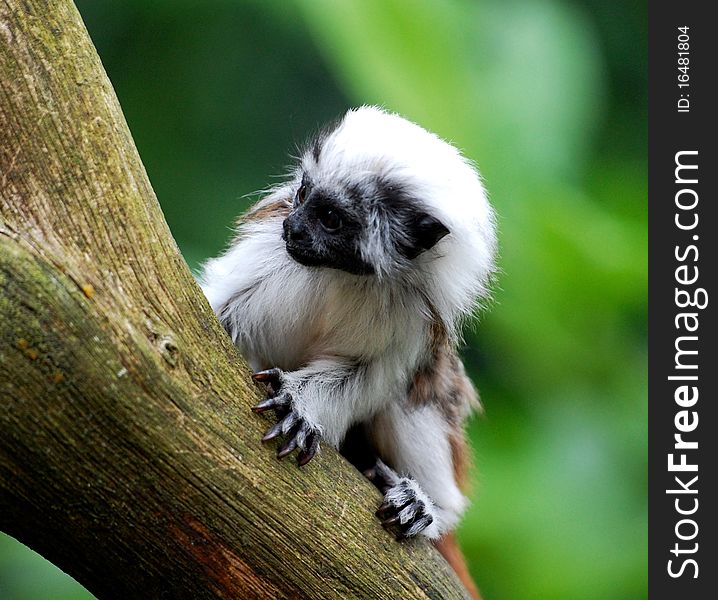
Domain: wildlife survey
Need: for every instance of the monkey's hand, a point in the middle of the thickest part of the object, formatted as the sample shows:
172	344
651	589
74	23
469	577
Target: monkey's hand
297	432
406	510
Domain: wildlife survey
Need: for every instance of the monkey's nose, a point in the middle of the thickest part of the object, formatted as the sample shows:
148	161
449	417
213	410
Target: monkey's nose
294	231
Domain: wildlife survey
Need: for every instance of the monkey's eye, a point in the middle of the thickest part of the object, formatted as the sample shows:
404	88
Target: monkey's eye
301	194
330	220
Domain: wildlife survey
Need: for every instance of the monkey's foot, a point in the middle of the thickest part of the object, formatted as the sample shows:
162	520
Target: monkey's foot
297	431
407	510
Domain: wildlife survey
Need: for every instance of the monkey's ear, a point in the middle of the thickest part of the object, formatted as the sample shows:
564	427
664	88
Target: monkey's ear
425	232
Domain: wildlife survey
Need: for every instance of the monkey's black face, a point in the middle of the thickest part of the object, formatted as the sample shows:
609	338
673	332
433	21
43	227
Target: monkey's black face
330	224
320	232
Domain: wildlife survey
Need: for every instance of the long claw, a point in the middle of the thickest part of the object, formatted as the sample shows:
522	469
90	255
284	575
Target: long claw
282	427
275	403
382	509
287	448
306	455
389	522
274	431
267	404
270	375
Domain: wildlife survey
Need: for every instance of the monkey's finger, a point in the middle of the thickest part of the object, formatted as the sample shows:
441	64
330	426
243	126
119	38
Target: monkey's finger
412	529
272	403
411	511
282	427
289	422
390	521
270	375
287	447
401	505
264	405
281	412
382	510
303	433
274	431
306	455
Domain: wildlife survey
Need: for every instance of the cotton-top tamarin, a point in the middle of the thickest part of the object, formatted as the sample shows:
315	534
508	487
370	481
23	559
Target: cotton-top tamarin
345	289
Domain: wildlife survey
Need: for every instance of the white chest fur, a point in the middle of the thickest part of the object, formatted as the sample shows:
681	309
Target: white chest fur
284	314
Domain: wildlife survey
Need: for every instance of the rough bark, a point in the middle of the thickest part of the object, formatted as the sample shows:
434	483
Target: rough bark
128	454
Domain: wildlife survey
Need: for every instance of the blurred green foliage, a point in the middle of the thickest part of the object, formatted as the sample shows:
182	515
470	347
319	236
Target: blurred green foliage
549	98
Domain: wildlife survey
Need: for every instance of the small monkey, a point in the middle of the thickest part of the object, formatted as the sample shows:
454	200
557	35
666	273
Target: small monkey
345	289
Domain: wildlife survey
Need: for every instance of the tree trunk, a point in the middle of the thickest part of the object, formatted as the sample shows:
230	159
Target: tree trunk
128	453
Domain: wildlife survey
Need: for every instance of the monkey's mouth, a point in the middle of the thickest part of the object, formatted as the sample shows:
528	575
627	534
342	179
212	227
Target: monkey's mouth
306	255
303	255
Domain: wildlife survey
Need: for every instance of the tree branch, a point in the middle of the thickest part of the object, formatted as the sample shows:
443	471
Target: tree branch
128	454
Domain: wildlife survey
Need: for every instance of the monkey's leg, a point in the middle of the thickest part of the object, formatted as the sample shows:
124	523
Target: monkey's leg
421	496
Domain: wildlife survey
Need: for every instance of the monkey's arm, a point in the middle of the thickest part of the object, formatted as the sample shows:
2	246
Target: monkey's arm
324	398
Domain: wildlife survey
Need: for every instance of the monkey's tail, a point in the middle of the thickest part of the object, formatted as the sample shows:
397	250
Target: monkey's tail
450	550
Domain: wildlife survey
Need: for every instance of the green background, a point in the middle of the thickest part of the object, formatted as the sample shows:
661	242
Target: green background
549	98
